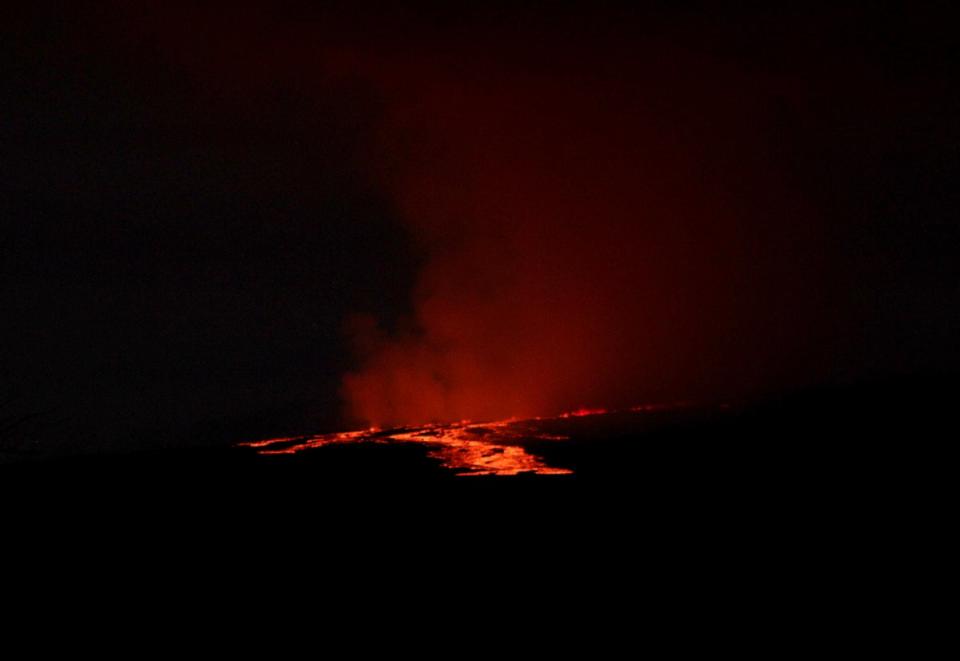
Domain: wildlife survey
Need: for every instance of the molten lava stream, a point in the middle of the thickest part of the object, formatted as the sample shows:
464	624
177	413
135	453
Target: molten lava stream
465	448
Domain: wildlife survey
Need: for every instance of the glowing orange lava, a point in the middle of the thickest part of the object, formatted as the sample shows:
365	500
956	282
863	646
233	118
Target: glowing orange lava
580	413
493	448
465	447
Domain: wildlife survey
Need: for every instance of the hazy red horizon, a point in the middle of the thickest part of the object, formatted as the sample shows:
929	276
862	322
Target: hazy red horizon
600	229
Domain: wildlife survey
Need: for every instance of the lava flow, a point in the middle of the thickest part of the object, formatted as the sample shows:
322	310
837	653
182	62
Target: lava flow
466	448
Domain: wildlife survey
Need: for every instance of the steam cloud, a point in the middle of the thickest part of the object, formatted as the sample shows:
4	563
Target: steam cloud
601	230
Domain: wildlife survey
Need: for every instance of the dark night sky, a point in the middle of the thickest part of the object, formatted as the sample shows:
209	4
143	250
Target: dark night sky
210	217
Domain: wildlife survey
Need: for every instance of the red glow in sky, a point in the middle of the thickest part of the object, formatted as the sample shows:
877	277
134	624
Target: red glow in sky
601	219
592	234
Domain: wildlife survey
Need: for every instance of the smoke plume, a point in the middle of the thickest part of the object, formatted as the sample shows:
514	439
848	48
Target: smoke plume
601	229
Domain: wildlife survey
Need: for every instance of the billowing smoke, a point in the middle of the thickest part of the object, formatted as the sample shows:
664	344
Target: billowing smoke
604	228
513	212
